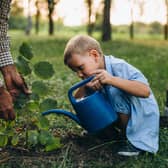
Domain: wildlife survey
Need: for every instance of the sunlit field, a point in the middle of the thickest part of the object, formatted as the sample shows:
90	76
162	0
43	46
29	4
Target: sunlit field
147	53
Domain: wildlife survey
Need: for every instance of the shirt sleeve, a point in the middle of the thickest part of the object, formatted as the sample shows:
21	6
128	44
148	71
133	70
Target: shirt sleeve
129	72
5	55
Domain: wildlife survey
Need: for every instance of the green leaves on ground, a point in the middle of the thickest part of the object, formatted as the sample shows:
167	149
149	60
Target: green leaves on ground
50	142
32	138
22	61
26	51
21	100
48	104
28	107
39	87
44	138
15	140
42	123
23	66
3	140
44	70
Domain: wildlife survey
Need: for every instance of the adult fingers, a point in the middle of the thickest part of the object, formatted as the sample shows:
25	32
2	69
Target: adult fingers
14	93
5	115
11	114
24	86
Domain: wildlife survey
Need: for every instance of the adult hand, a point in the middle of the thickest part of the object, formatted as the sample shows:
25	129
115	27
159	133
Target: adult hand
6	105
15	83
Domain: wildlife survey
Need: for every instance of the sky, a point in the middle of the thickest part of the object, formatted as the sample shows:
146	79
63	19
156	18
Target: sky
74	12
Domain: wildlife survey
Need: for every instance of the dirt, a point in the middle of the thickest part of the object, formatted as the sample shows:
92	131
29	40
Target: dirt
78	151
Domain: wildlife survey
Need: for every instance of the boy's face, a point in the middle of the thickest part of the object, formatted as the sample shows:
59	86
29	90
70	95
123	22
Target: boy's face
85	64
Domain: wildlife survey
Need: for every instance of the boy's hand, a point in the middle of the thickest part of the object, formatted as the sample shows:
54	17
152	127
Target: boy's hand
101	77
94	84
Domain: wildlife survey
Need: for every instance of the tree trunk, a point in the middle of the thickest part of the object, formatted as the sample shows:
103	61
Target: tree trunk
29	21
51	24
106	27
132	30
37	17
132	25
51	5
90	24
166	25
166	31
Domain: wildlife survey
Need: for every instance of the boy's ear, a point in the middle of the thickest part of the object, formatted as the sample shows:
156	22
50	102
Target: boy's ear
94	53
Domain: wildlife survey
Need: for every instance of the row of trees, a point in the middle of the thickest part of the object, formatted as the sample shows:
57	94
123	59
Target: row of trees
106	28
104	11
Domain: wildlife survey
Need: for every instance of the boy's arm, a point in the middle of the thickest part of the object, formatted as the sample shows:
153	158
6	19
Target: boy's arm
132	87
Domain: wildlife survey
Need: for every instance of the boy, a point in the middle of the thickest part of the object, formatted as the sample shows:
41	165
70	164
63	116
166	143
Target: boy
126	87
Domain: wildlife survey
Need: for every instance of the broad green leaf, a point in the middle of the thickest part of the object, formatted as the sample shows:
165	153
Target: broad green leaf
26	50
33	137
44	137
32	105
21	101
3	140
53	144
10	124
48	104
2	129
34	97
15	140
9	132
23	65
39	87
42	122
44	70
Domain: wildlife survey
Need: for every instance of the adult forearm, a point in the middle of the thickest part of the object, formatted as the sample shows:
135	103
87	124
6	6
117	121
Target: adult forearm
5	55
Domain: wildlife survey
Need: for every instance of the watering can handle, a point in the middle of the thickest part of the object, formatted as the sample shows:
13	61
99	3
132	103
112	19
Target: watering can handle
76	86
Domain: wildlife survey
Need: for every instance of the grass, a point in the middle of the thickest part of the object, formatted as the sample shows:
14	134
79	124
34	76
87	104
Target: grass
150	56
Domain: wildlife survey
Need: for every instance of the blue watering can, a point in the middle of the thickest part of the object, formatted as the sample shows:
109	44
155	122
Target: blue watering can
93	112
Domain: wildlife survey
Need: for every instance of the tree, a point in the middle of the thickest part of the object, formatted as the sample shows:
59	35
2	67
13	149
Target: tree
17	17
140	4
29	21
37	17
132	25
16	10
106	26
90	24
51	5
166	25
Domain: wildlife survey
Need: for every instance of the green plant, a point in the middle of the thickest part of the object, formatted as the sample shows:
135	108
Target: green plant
30	127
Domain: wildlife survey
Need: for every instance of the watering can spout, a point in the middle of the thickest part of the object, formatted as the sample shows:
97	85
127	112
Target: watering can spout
64	112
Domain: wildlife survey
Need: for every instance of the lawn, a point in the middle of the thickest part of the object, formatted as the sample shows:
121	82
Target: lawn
150	56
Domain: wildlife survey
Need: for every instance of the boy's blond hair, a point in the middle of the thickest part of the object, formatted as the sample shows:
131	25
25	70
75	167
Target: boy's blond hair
80	44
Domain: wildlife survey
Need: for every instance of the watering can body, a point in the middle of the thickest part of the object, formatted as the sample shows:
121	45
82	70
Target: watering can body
93	112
